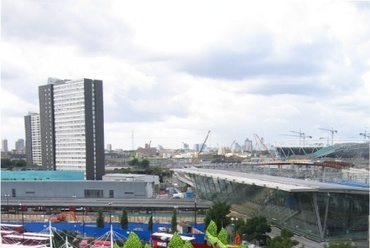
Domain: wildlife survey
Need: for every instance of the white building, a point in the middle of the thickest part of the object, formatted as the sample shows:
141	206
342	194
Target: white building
4	145
72	126
33	139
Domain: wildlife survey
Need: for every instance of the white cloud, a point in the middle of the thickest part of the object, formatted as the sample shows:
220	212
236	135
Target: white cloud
174	70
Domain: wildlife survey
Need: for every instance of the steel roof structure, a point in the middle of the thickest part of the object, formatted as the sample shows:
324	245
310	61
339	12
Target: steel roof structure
274	182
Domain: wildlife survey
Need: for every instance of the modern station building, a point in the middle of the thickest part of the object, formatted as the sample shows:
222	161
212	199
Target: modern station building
316	210
65	184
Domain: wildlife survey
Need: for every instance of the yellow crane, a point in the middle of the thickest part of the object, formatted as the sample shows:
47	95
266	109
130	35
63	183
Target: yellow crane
259	141
197	158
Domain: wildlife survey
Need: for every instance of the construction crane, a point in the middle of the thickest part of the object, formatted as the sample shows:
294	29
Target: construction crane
332	133
260	141
231	146
302	136
201	148
365	134
185	145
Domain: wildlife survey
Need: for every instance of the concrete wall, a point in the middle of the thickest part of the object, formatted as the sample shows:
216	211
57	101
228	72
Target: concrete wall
66	189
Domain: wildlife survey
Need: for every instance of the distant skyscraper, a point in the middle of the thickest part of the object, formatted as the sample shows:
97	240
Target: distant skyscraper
33	139
4	145
19	146
109	147
248	145
72	126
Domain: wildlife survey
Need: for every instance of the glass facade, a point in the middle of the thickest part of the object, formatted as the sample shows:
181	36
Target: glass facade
320	216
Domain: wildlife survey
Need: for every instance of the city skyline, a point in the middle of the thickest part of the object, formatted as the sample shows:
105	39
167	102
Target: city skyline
174	71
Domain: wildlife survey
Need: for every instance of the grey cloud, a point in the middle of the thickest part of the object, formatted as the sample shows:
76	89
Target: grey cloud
289	87
156	104
17	83
259	60
45	23
317	68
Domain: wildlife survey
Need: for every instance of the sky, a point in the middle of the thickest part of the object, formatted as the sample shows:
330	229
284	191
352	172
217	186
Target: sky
281	71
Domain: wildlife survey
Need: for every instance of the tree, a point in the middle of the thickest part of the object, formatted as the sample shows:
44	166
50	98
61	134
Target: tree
133	241
7	163
285	233
223	236
150	224
21	163
59	238
174	221
282	241
218	213
187	244
135	161
279	242
100	219
211	233
145	163
124	219
115	245
256	229
175	241
340	244
212	228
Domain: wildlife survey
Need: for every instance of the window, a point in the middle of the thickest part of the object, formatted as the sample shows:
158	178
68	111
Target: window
94	193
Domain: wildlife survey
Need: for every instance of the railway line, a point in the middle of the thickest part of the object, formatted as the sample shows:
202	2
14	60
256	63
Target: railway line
103	203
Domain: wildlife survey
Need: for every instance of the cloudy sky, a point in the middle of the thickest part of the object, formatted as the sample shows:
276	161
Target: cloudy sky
173	70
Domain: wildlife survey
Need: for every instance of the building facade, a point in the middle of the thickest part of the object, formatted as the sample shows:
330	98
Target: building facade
248	145
43	189
4	145
72	126
33	139
20	147
315	210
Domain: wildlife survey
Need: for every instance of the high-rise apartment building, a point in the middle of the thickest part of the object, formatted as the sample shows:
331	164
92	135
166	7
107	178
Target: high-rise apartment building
109	147
33	139
72	126
4	146
20	147
248	145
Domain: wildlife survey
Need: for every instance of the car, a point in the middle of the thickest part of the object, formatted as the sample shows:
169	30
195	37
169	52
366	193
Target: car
83	209
76	209
23	208
39	209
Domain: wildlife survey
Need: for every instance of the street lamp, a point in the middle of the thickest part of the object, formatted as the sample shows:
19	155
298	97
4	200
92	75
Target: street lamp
234	219
7	204
20	205
110	214
195	214
83	222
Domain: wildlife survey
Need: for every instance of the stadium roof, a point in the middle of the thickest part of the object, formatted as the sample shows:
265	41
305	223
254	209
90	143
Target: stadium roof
274	182
345	150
